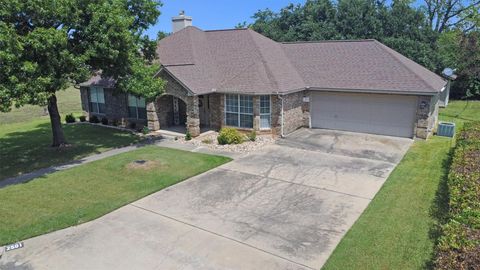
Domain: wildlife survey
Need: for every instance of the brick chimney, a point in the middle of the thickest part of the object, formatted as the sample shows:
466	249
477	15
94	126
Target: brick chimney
181	21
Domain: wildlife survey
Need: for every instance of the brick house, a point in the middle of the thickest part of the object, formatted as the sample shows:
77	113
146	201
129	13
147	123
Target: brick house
241	79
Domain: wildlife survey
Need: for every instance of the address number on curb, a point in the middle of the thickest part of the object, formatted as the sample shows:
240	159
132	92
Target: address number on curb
14	246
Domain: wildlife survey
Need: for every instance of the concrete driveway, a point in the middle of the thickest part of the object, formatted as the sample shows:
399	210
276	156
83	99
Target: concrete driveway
285	206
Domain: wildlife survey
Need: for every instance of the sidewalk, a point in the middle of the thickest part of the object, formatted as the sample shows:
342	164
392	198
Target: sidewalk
162	142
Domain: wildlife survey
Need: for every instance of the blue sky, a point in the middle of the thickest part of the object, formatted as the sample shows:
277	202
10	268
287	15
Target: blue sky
213	14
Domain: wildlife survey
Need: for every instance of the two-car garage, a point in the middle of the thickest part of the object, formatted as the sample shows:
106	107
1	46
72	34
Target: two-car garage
383	114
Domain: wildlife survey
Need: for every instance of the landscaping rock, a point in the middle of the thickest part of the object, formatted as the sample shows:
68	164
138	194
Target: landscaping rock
209	140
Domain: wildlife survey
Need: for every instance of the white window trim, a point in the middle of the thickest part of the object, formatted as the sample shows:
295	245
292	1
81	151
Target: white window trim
96	103
269	112
238	112
136	107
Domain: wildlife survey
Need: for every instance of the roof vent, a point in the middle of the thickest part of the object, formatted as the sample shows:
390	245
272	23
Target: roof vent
181	21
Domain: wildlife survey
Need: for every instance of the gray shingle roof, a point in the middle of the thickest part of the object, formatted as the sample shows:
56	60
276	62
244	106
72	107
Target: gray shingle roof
97	80
241	60
361	65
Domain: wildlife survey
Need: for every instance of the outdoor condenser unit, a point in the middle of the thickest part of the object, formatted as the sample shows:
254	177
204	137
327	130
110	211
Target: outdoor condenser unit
446	129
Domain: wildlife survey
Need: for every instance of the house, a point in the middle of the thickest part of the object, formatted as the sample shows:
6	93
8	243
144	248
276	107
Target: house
240	78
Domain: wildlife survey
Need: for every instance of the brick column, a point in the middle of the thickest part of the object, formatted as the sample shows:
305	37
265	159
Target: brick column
423	124
256	112
152	116
193	116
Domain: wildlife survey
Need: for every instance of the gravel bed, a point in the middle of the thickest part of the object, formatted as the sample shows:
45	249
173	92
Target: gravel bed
209	140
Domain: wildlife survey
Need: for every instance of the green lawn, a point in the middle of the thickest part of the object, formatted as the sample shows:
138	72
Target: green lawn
25	137
461	112
68	102
25	146
86	192
399	228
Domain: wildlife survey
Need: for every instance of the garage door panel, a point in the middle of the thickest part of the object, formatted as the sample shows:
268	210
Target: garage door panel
370	113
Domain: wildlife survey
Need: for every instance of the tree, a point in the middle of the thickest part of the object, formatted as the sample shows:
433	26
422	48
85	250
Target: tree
162	35
358	19
467	84
446	14
312	21
399	25
46	45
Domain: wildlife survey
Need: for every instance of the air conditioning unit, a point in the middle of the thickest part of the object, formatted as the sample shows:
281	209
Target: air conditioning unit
446	129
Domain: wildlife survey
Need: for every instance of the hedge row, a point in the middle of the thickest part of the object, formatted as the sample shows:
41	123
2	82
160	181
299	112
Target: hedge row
459	246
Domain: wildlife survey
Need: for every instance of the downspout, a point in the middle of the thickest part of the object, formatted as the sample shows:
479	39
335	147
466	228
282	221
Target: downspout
281	116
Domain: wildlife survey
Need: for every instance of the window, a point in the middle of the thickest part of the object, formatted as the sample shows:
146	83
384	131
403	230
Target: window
239	111
136	107
97	100
265	112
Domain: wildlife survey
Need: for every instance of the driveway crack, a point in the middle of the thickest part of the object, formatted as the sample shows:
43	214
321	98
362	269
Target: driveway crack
219	235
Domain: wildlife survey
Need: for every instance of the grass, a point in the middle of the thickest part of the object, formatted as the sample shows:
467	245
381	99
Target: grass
83	193
68	102
25	146
399	228
461	112
25	137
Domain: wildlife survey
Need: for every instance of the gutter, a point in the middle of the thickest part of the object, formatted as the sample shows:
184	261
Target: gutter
281	116
322	89
371	91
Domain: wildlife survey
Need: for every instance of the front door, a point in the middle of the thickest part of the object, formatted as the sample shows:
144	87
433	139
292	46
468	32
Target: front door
204	110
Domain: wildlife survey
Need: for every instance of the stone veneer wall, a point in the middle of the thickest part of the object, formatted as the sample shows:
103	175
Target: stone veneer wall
217	110
116	106
427	116
172	87
296	112
84	99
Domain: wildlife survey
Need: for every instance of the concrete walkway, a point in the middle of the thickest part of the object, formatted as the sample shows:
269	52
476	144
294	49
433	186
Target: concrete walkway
283	207
160	142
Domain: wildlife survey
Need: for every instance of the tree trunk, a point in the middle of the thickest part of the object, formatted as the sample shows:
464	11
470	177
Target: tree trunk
57	132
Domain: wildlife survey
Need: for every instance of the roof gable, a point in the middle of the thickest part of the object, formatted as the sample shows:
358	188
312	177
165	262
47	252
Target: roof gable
241	60
359	65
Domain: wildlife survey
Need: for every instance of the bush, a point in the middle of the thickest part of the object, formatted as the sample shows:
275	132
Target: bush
69	118
252	136
132	125
104	121
229	136
188	136
459	245
145	130
82	118
94	119
115	122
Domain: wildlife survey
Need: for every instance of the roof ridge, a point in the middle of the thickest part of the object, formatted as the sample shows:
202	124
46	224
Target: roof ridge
328	41
226	29
262	57
387	50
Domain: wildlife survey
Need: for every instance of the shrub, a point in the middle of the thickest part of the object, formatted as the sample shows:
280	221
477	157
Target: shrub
252	136
188	136
104	121
207	141
145	130
459	245
94	119
132	125
82	118
229	136
69	118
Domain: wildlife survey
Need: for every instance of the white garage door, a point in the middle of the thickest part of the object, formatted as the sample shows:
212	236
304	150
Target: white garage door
370	113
